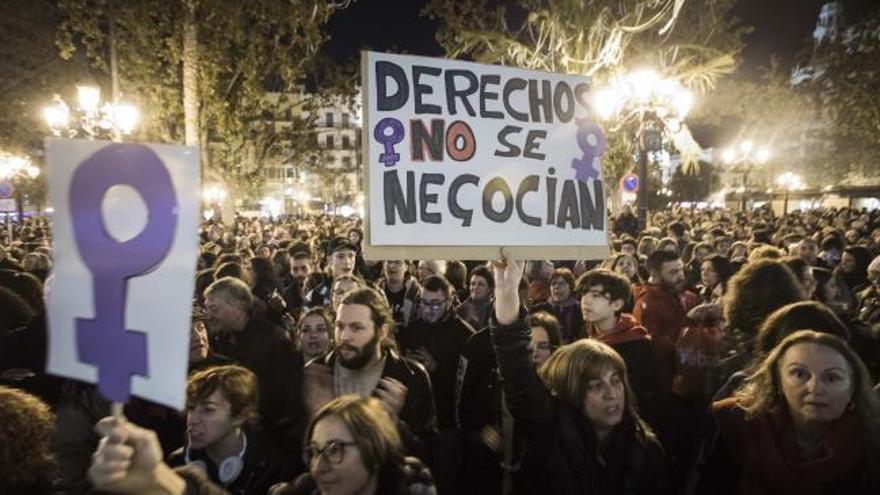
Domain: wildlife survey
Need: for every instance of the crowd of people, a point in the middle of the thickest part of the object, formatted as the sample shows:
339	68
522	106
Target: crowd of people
713	352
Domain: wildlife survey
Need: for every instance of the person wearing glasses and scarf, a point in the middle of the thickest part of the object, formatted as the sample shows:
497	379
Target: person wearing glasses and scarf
436	339
352	446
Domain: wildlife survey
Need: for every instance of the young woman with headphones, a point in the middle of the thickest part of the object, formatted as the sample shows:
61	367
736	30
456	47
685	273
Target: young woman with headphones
221	406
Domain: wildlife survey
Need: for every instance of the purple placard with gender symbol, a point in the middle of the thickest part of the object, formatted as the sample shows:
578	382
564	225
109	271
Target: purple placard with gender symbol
103	341
125	227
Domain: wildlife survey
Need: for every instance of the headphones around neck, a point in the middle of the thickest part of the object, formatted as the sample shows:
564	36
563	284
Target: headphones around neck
228	470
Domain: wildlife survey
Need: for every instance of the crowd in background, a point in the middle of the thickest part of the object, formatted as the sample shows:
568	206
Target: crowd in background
713	352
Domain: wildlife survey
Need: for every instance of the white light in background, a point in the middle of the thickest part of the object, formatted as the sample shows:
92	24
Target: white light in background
88	97
270	207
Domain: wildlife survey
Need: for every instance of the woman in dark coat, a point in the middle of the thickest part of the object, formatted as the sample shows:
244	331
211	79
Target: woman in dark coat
582	431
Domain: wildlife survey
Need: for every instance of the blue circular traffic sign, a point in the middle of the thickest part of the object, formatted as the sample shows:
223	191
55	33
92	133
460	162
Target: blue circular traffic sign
6	190
630	183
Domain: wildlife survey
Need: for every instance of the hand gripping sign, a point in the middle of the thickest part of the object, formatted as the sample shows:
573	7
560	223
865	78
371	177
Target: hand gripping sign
124	225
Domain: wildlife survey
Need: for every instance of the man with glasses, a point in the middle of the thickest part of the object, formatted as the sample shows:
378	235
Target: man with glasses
436	339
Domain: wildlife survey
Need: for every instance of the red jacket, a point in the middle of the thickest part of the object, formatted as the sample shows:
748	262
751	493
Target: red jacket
760	455
627	329
663	314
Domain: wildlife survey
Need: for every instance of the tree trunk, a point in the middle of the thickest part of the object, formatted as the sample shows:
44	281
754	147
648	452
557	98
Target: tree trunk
190	75
114	67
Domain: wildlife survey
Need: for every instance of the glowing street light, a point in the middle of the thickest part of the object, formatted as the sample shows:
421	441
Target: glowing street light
763	155
14	166
742	157
57	115
90	116
89	97
656	103
642	91
125	117
790	182
213	194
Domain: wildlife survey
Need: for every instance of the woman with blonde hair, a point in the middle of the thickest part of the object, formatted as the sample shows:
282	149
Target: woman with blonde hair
577	412
805	422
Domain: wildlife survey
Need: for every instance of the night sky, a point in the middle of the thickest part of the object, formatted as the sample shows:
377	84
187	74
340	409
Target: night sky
781	27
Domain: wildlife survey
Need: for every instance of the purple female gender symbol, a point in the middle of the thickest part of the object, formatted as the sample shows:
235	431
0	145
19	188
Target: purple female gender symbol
592	143
389	157
103	341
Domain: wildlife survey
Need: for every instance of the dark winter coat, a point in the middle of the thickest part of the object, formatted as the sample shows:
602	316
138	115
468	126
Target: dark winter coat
445	341
561	448
411	478
265	349
259	472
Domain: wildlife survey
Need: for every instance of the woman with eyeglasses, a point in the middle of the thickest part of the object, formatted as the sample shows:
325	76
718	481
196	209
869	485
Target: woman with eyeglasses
352	446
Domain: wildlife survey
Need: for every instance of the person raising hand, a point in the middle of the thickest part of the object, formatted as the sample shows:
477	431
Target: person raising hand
577	411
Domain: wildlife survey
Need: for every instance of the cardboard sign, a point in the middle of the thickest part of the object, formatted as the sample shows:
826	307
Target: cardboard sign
125	234
464	158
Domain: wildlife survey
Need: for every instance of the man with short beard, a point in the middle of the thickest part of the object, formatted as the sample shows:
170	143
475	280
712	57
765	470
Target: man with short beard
661	306
300	274
364	362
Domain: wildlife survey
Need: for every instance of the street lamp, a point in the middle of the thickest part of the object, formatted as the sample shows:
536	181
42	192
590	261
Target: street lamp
214	195
90	116
790	182
657	104
13	167
741	157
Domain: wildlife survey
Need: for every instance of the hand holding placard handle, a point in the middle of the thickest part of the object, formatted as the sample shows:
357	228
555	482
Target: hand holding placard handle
104	341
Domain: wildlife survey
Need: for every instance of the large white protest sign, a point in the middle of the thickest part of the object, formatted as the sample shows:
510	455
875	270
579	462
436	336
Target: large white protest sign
463	158
125	241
